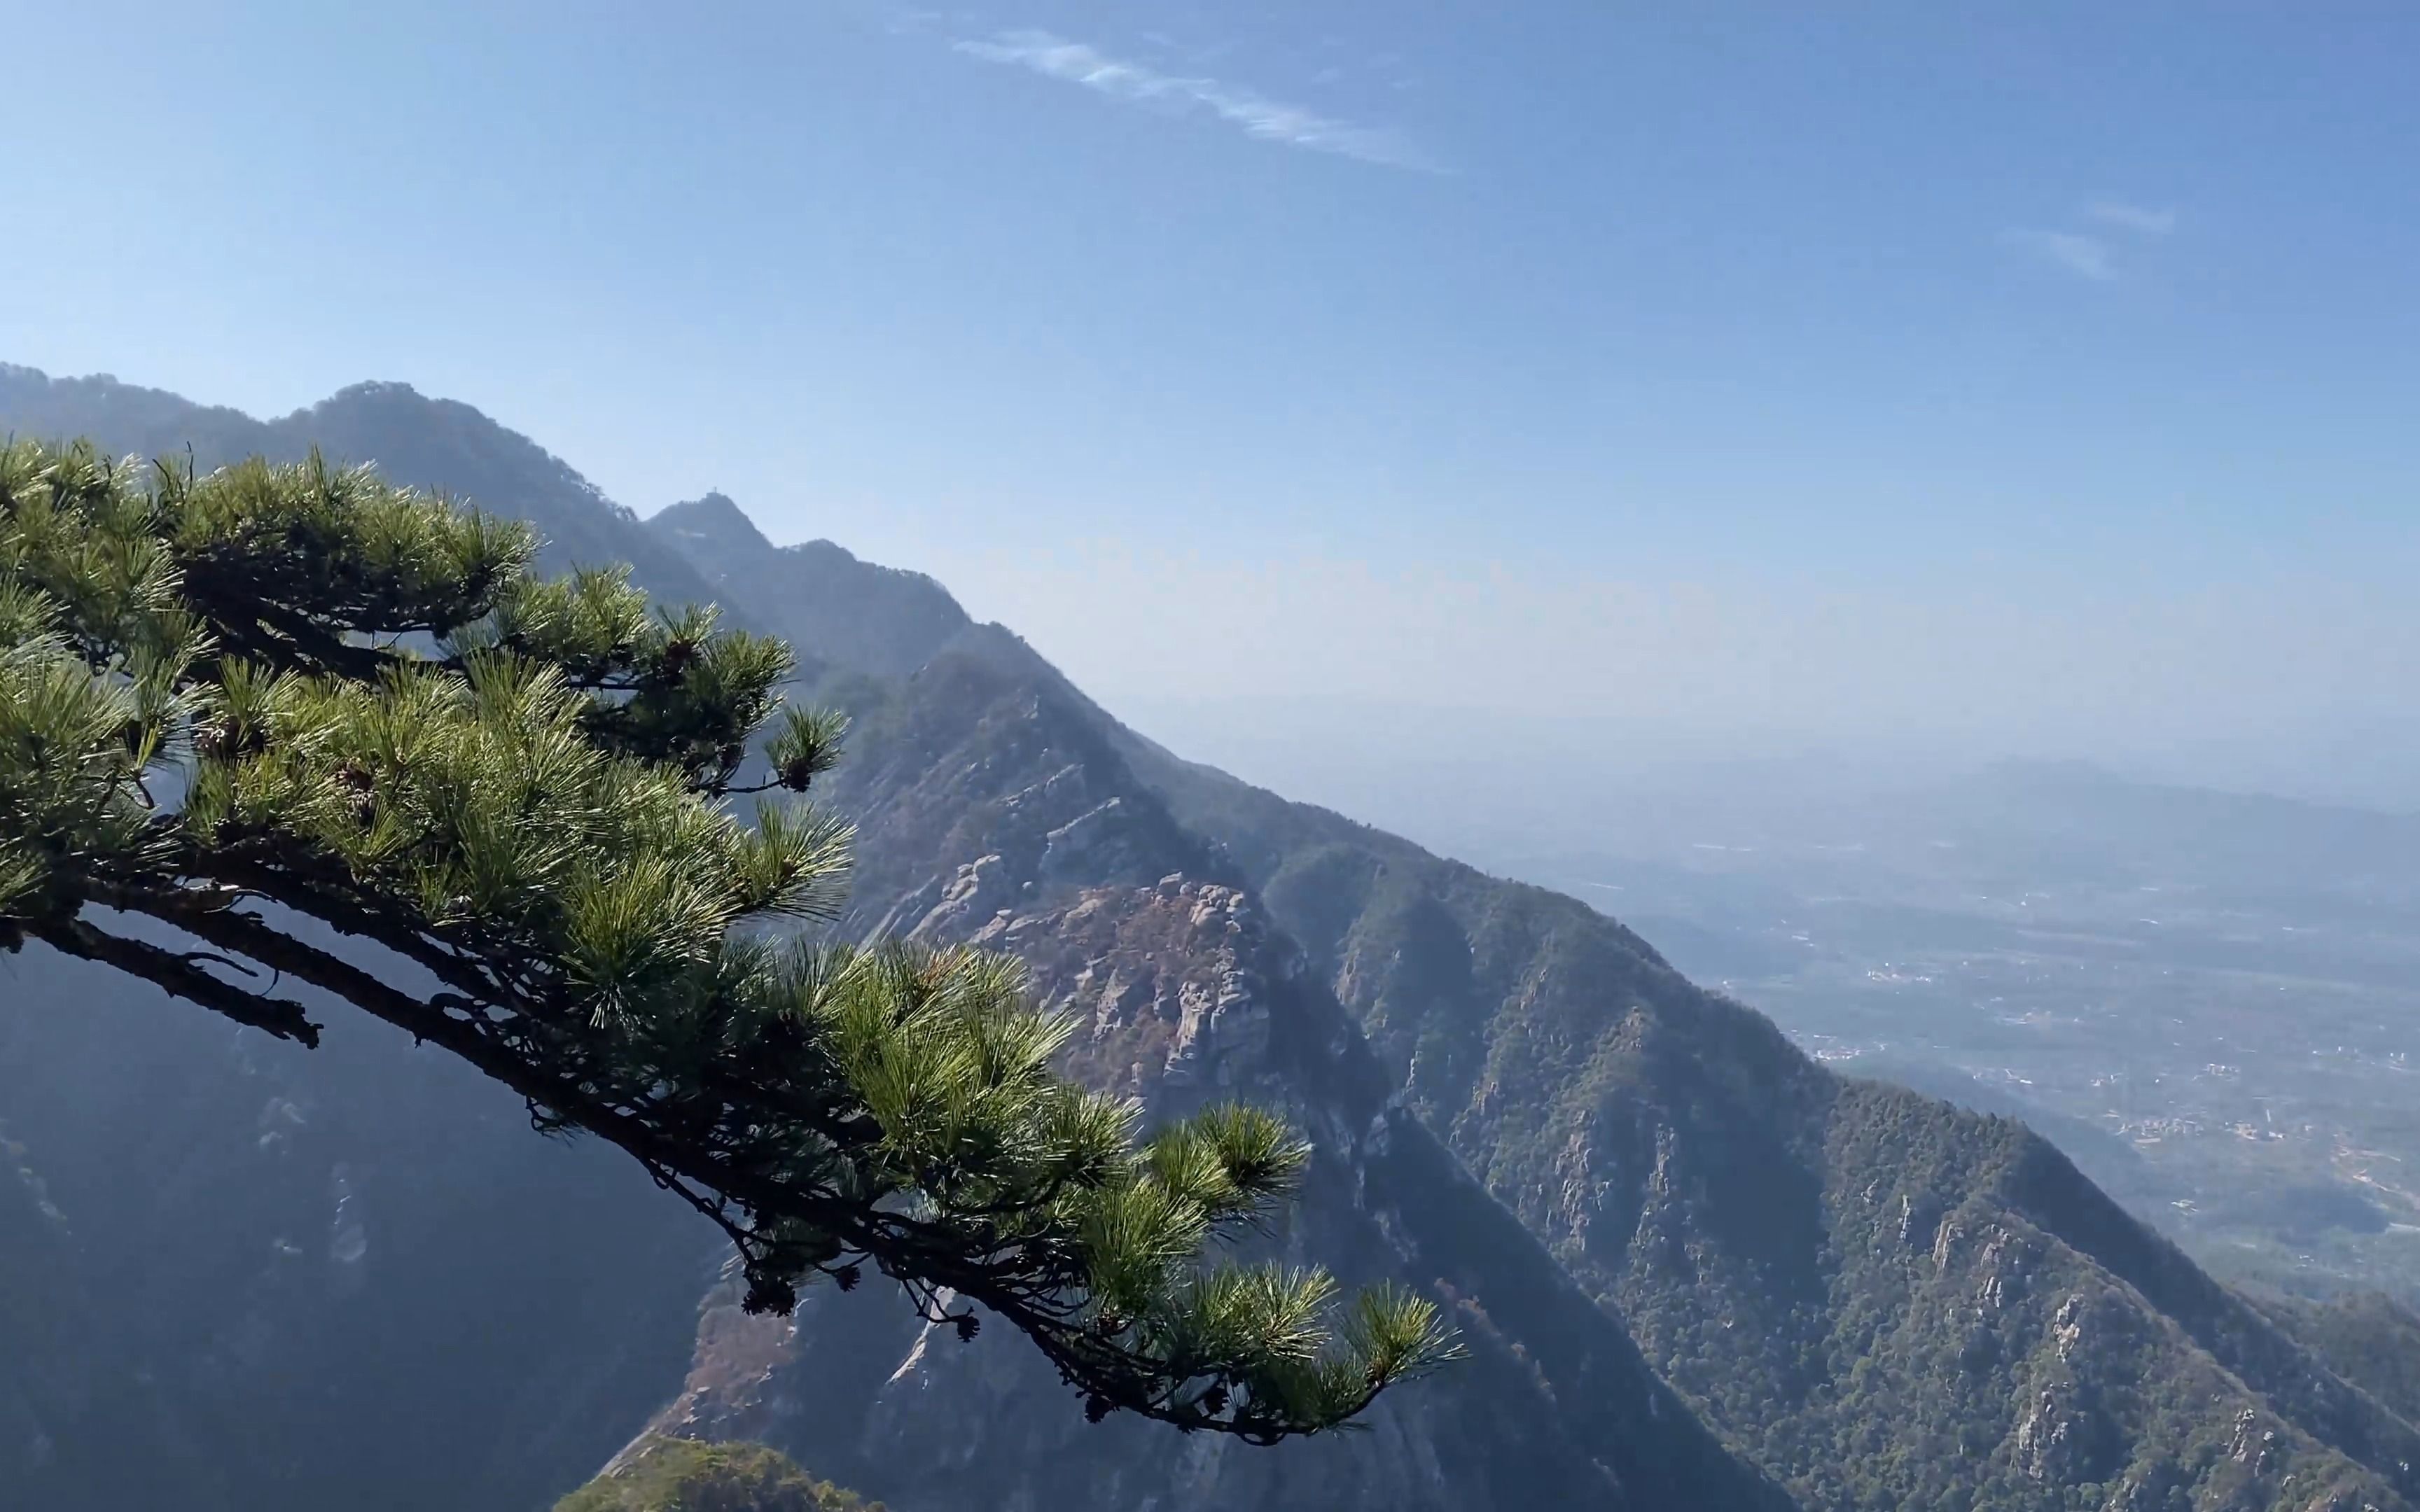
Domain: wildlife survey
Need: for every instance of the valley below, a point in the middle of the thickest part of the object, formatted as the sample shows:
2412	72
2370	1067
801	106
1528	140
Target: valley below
2228	1044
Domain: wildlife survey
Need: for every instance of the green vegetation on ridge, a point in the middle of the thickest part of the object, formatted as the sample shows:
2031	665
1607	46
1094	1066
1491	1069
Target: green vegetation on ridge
667	1475
1882	1300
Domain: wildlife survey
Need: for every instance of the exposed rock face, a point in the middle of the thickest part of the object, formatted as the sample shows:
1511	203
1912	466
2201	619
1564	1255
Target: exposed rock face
1187	998
48	1382
1185	993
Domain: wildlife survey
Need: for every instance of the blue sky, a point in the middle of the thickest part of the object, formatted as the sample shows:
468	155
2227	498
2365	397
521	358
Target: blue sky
1736	364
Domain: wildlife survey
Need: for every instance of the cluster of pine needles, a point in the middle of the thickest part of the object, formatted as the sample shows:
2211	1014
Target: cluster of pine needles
290	726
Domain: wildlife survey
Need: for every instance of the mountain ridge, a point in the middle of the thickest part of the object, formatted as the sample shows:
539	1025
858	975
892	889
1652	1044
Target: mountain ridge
902	619
1016	824
1726	1206
1742	1154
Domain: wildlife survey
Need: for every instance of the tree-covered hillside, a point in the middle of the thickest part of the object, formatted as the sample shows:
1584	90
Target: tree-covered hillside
1884	1301
856	615
2372	1340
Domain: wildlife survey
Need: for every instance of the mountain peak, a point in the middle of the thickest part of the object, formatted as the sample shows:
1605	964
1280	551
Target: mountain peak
712	521
373	389
843	611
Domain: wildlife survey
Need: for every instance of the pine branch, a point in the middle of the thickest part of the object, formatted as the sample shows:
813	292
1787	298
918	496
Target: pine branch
177	972
531	816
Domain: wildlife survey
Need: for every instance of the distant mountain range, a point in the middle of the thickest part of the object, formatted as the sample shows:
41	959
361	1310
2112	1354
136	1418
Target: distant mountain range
1698	1269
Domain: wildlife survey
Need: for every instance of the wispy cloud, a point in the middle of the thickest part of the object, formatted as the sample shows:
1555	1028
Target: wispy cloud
2091	254
1254	114
2083	256
2127	217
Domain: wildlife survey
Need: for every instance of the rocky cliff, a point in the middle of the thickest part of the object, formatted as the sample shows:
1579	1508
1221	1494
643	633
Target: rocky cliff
1016	825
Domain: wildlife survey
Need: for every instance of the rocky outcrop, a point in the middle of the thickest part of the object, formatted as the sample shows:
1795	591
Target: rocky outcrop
1185	995
1183	992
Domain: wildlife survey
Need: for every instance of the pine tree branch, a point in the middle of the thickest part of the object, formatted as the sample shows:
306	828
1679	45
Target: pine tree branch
471	1038
177	972
920	1256
597	980
311	886
294	639
689	1160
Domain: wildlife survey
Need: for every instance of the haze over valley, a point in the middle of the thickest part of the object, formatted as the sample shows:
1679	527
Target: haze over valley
1055	757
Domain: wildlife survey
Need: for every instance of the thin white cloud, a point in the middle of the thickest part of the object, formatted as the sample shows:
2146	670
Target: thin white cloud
1254	114
2141	217
2085	256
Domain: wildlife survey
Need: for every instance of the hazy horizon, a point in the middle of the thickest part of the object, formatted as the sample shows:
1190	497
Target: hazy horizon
1718	382
1324	676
